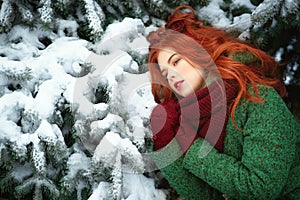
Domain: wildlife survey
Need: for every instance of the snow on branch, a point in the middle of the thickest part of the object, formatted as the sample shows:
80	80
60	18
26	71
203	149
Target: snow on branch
6	14
95	17
268	9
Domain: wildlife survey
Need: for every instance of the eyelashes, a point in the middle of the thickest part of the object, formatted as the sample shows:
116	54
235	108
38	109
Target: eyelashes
174	62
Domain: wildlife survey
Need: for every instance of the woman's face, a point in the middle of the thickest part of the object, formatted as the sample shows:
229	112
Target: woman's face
183	78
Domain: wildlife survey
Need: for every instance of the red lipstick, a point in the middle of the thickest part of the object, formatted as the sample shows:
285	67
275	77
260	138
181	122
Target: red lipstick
178	84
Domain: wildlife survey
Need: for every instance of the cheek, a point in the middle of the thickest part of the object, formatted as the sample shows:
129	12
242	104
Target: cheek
197	80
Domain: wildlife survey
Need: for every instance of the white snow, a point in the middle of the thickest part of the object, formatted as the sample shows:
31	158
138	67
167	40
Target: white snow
245	3
49	130
9	130
128	28
111	145
101	192
133	190
214	14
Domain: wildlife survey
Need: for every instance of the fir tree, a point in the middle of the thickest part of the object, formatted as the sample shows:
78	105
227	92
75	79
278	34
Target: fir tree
55	147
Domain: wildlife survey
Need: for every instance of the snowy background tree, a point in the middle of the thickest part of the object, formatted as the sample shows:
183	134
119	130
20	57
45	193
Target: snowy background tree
75	97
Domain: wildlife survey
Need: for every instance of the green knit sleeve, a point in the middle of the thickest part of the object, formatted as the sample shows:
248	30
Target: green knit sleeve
170	162
268	152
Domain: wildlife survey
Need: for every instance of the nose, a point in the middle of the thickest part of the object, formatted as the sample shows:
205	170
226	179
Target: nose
171	74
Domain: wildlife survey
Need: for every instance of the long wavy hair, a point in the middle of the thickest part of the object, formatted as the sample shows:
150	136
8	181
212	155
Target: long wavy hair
204	46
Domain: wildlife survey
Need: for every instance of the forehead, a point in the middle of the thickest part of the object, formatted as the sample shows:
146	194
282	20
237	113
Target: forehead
164	55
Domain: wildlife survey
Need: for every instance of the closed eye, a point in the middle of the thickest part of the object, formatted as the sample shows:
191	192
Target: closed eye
175	62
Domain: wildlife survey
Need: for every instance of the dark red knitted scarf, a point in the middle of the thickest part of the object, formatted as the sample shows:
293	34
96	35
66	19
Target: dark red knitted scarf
205	114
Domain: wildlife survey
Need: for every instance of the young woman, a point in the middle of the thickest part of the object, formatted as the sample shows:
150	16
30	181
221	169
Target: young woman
221	128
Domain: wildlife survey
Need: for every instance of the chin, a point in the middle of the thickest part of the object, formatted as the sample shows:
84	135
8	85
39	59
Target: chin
186	93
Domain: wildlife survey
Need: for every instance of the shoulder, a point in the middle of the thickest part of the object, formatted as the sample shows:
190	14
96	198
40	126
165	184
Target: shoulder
273	111
269	96
268	92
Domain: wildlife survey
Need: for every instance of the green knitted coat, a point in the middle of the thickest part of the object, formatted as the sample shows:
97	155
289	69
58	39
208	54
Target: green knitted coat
259	162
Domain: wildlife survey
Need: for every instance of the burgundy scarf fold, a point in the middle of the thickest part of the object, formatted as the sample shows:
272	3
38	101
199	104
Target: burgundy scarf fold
205	114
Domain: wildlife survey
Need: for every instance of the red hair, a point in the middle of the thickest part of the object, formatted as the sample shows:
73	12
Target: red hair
205	46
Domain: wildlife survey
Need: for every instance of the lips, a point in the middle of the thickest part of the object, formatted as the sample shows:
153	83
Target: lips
178	84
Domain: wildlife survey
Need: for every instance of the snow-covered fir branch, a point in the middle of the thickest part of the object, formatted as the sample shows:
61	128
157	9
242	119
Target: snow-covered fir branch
6	13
